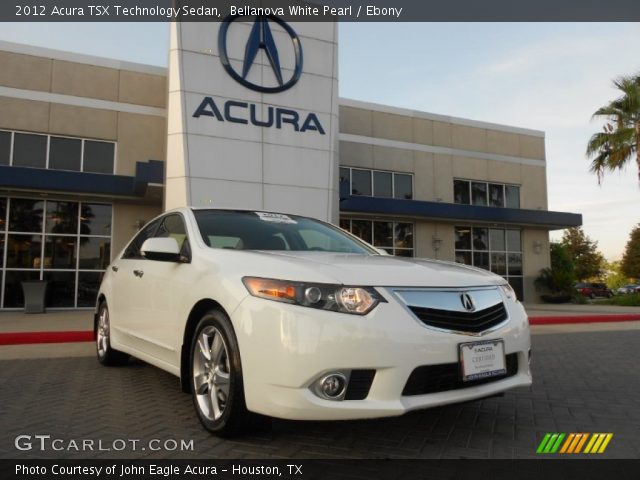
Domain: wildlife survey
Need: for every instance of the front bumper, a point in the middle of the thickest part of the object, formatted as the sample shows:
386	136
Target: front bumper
284	348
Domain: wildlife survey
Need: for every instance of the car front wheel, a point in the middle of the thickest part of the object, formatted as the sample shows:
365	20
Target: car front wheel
106	354
216	378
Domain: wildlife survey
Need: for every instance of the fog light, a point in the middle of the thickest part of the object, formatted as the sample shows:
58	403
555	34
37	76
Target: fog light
331	387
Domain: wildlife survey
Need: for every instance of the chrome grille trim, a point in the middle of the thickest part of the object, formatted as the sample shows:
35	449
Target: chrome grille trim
442	309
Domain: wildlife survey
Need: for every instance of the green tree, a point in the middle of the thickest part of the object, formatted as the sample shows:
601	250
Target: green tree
588	260
619	142
630	265
614	275
560	277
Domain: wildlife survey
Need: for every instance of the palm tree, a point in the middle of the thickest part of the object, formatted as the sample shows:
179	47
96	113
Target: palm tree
619	142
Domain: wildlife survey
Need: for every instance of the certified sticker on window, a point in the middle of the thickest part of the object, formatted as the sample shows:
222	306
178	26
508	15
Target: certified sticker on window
275	217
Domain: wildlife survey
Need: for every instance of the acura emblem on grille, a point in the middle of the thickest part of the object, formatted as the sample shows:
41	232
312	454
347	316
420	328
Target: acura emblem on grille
467	302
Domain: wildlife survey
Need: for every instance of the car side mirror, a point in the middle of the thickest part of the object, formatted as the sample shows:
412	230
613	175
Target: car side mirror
161	249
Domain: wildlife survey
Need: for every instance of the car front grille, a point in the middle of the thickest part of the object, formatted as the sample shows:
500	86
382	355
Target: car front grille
445	377
472	322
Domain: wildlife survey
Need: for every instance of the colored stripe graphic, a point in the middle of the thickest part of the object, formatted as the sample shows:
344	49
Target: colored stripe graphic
573	443
543	443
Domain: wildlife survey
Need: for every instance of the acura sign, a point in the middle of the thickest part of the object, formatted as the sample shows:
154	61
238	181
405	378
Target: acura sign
260	38
253	116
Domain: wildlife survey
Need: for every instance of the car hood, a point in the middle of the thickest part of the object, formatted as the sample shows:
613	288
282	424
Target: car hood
382	270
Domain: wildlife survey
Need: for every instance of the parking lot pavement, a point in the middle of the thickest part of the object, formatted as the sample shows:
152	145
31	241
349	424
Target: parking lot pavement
583	382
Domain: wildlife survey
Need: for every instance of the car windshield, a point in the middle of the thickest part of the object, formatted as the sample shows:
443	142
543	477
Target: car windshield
240	230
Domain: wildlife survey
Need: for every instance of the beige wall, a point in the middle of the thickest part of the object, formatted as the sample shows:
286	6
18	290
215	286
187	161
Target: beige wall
534	259
81	80
415	129
128	219
434	172
138	137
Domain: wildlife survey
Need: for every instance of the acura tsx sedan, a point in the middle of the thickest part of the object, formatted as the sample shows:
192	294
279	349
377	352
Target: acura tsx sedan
270	315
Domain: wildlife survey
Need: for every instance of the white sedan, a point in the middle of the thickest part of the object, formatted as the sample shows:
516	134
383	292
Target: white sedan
270	315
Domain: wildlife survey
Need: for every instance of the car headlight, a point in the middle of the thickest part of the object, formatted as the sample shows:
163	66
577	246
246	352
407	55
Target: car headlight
335	298
509	292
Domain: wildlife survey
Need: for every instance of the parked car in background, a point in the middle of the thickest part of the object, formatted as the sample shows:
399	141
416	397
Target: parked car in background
628	289
593	290
289	317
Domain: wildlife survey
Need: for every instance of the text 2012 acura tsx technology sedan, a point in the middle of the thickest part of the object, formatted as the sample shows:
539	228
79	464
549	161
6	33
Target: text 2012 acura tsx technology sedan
266	314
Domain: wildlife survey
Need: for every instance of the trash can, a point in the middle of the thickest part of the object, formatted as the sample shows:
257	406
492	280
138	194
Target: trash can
34	295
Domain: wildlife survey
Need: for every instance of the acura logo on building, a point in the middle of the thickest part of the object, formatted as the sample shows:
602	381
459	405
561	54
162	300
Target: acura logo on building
261	37
467	302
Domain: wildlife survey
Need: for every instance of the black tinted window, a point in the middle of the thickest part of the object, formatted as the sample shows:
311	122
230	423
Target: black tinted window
133	250
98	157
461	192
402	186
269	231
29	150
64	153
5	147
360	182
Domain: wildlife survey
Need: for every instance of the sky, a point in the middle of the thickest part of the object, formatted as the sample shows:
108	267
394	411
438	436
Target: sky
545	76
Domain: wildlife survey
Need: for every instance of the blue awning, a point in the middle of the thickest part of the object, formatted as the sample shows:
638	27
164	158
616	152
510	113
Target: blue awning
452	212
147	173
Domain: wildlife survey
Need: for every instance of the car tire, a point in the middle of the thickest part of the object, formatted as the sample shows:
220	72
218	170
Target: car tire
592	296
107	355
216	380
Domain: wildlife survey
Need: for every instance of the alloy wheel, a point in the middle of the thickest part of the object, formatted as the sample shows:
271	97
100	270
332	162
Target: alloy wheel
102	332
211	373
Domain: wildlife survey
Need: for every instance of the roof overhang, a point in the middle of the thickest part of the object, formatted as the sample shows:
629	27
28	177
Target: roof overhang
452	212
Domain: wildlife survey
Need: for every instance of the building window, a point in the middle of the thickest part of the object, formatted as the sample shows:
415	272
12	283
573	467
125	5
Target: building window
29	150
467	192
383	184
65	153
377	183
68	244
396	238
361	182
495	249
56	152
98	157
5	147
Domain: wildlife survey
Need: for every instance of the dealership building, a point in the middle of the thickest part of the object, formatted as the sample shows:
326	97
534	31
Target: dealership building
93	148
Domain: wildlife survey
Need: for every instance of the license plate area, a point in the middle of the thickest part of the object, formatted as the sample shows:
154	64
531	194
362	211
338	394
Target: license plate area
479	360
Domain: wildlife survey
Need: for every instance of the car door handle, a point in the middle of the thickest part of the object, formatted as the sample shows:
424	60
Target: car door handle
115	268
138	273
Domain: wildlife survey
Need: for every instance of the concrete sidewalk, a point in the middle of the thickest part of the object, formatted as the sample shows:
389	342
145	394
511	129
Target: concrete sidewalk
57	321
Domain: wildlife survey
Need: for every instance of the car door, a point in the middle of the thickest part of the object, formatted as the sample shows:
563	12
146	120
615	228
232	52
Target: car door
161	286
126	303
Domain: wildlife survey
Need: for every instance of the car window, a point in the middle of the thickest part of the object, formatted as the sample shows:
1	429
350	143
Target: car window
273	231
133	249
316	241
172	226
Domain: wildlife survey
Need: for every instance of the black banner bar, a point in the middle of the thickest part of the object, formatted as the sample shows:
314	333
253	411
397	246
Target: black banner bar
322	10
536	469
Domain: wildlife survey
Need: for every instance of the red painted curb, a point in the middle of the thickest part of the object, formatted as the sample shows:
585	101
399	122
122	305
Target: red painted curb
557	320
24	338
